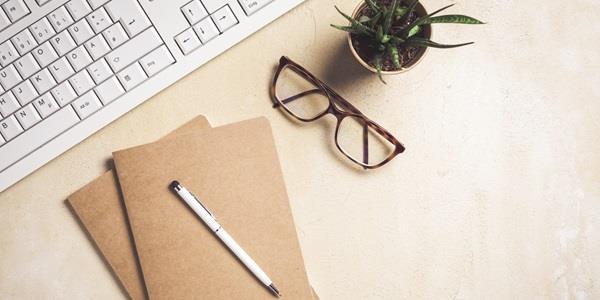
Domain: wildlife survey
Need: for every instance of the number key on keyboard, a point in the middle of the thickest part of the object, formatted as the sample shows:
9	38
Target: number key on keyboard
60	19
15	9
42	30
8	53
24	41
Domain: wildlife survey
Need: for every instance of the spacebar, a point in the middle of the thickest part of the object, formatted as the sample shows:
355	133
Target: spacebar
35	137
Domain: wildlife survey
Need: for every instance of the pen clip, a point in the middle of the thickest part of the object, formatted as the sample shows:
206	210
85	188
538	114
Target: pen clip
203	206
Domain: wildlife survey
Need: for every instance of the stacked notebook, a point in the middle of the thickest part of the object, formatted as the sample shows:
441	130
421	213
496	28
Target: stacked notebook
159	249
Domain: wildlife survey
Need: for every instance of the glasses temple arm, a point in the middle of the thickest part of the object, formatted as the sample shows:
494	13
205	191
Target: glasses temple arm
295	97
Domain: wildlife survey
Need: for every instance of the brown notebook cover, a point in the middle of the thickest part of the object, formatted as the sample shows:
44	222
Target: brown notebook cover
100	209
234	169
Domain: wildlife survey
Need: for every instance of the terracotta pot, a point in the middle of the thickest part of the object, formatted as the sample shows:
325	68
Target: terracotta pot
425	29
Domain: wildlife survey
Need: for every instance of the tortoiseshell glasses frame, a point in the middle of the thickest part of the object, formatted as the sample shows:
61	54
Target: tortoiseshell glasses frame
339	107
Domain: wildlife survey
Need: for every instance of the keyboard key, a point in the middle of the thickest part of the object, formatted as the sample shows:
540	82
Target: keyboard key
24	41
252	6
81	31
78	8
81	82
187	41
45	54
37	136
42	30
8	104
2	141
27	65
9	77
4	21
97	46
131	76
115	35
96	3
8	53
99	71
60	19
206	30
194	11
64	93
63	43
109	90
86	105
24	92
224	18
213	5
42	2
99	20
43	81
61	69
131	15
133	49
10	128
28	117
15	9
45	105
157	60
79	58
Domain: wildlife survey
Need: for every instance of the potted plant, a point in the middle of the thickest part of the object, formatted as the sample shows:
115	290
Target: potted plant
391	36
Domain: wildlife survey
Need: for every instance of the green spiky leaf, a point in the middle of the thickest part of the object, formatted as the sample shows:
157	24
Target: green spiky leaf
400	11
423	42
348	29
372	5
389	16
394	40
393	52
378	62
454	19
355	24
375	19
409	9
364	19
414	31
422	20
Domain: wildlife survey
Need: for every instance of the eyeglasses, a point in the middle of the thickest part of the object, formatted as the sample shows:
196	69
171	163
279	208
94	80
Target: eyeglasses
307	99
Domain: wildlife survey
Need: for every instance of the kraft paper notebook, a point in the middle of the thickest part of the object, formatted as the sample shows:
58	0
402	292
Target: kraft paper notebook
100	209
235	170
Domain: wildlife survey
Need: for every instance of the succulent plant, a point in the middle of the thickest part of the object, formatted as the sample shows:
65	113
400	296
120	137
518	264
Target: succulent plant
390	25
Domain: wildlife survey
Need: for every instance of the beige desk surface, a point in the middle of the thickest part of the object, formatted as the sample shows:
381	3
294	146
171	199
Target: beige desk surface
497	195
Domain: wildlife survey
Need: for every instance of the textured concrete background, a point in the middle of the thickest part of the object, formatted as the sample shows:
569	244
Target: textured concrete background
496	197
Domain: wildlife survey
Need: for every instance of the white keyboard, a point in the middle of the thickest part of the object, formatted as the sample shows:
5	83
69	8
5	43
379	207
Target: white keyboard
68	68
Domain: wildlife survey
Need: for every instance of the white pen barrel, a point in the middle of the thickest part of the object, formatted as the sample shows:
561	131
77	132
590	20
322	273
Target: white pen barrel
198	209
243	256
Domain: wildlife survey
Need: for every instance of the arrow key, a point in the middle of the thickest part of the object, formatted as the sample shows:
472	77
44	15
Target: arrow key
187	41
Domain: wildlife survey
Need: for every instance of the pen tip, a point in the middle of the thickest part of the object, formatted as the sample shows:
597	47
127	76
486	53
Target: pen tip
174	185
274	290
